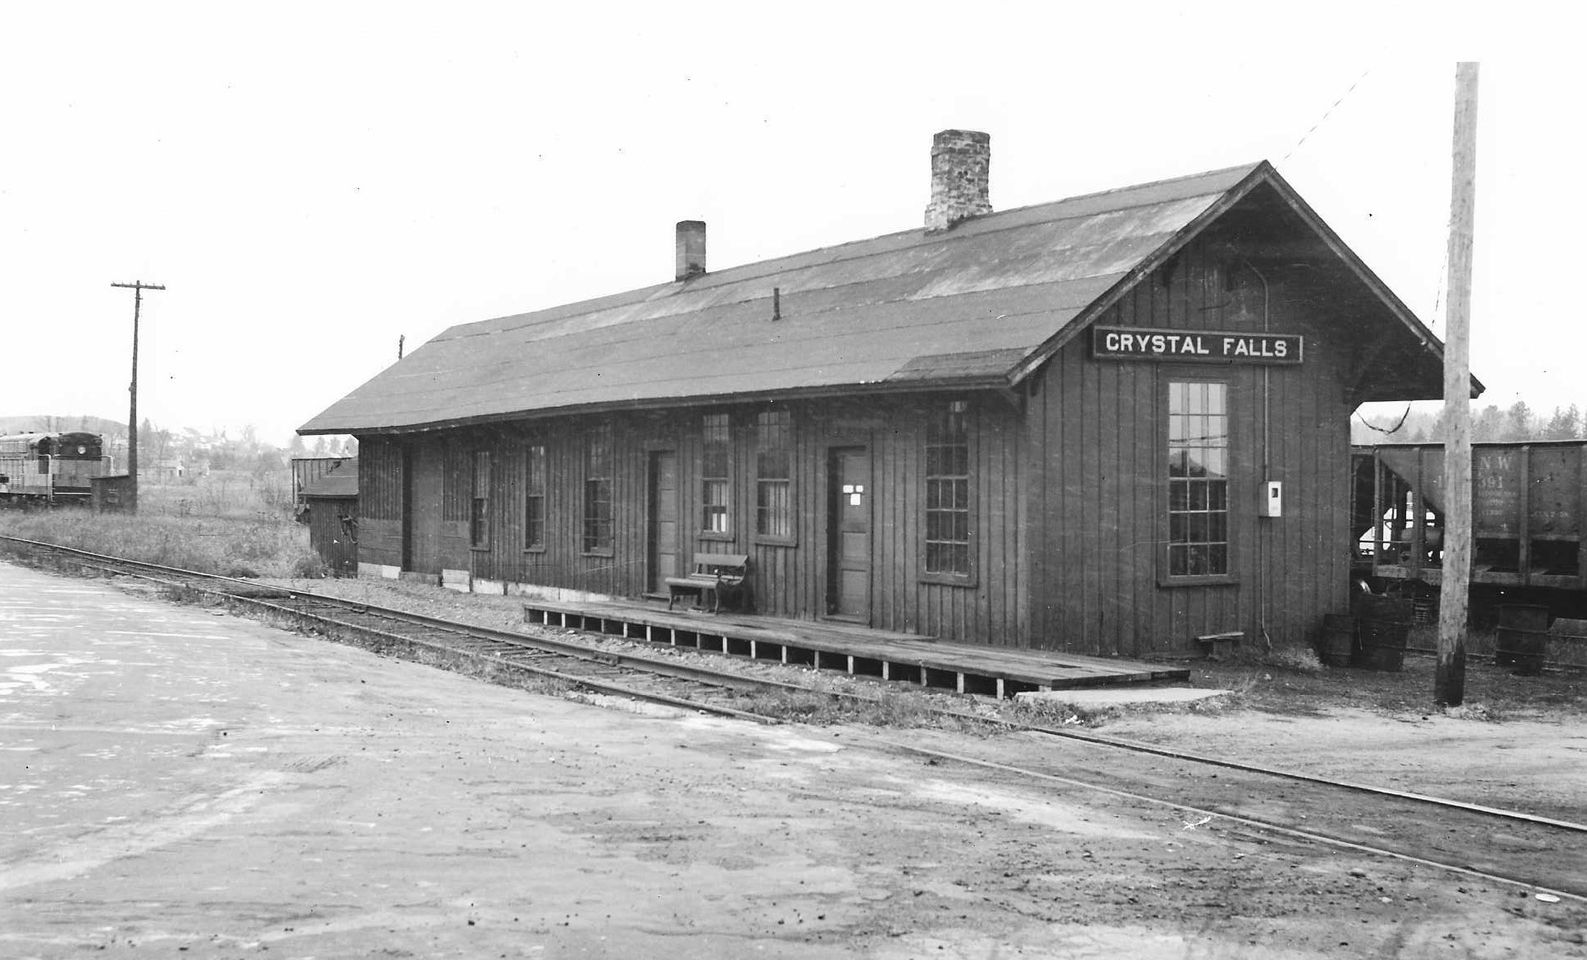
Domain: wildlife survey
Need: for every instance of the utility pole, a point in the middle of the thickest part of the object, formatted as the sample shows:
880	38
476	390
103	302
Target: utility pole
137	287
1449	683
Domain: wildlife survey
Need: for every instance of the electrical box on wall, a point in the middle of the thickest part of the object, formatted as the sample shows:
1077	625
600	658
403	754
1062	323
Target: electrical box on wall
1273	499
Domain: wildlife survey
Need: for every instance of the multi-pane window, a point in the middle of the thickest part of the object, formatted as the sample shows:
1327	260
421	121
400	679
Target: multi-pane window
534	511
948	492
1198	479
598	490
774	475
713	474
479	502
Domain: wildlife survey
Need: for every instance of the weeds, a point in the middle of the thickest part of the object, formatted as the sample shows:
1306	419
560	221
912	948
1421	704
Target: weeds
1301	659
258	546
885	708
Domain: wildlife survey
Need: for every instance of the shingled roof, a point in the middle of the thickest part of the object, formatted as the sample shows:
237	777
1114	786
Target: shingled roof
978	306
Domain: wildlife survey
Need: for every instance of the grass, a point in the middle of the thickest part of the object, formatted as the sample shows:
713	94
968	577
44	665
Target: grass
236	526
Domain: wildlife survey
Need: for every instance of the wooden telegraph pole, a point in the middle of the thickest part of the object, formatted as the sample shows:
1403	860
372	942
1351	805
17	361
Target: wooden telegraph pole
137	287
1449	684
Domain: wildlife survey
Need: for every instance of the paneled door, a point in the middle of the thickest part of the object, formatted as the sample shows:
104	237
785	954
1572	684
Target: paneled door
849	497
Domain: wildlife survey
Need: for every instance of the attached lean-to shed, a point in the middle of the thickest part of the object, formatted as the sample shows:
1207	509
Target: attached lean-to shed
1111	424
330	506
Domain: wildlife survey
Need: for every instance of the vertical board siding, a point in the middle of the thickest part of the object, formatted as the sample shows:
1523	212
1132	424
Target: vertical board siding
1068	496
380	501
787	579
1097	428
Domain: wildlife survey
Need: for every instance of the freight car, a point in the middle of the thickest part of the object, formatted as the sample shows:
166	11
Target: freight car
50	467
1529	507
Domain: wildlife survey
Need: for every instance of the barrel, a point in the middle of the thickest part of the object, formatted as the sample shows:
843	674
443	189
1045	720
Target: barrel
1385	623
1338	644
1523	638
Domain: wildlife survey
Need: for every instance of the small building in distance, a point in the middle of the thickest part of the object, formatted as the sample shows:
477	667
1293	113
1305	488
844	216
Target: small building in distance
165	470
1109	425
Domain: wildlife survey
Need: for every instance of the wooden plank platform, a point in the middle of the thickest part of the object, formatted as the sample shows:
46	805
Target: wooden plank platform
906	657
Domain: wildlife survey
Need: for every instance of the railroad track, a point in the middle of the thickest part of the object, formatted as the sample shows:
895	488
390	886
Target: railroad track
1510	847
499	654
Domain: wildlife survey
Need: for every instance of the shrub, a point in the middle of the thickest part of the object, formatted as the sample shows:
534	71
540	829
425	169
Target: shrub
309	566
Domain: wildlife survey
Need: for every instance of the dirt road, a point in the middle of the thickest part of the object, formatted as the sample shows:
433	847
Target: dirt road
179	783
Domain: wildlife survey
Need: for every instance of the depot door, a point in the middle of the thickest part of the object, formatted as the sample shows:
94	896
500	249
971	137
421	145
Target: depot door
421	508
849	497
662	539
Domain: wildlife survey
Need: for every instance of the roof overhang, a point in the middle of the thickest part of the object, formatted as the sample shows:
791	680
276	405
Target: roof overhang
997	385
1407	323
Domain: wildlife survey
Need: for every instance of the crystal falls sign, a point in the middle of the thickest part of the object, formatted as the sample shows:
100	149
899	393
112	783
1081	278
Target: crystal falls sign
1137	343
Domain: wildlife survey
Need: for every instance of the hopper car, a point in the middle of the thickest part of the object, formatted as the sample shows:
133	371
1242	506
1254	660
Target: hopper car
1529	507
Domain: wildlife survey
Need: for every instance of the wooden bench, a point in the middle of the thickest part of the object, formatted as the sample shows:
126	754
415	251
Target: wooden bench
712	571
1220	646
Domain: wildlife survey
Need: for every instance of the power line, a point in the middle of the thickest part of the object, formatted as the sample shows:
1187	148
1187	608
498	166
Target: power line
1327	113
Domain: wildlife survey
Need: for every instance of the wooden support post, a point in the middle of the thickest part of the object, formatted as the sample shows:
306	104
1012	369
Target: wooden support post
1419	518
1523	520
1449	683
130	503
1377	509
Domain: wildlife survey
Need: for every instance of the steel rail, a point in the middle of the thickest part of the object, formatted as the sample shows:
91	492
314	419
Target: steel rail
543	643
646	665
652	665
1247	820
548	644
1279	772
573	678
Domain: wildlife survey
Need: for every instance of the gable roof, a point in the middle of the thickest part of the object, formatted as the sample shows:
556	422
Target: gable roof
979	306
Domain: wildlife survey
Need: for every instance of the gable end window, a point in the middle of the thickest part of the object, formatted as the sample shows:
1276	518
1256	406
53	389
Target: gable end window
1198	479
948	494
714	479
598	490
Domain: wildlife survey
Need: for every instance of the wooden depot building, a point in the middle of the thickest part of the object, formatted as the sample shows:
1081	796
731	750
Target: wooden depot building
1106	425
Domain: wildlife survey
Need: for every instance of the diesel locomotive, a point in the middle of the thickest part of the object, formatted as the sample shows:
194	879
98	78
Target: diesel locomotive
50	467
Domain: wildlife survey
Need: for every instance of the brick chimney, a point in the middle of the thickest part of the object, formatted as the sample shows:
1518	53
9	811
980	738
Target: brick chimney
960	163
691	249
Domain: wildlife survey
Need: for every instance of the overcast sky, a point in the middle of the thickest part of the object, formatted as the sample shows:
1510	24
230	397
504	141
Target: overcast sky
313	181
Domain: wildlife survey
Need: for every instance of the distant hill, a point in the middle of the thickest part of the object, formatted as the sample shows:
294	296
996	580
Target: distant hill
59	424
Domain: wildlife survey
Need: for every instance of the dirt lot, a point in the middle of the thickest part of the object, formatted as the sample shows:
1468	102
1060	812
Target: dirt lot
182	782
